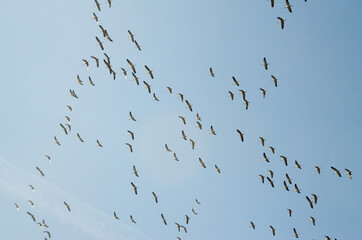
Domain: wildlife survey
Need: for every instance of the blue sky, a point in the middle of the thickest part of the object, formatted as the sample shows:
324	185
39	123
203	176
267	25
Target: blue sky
313	116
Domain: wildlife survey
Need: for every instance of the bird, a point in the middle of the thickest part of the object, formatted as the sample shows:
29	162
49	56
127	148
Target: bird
192	143
131	133
240	134
270	181
67	118
90	81
124	72
349	172
317	169
130	147
169	90
212	73
66	204
48	233
131	65
272	3
313	220
49	158
135	171
197	202
181	97
296	188
131	116
231	94
265	63
266	159
309	201
198	117
202	163
289	212
281	20
246	104
134	188
178	226
148	86
285	159
184	135
243	93
70	108
272	149
286	186
98	5
288	178
95	18
188	105
163	219
327	238
100	43
212	130
297	165
187	219
193	211
80	82
235	81
183	119
288	6
275	80
32	216
86	63
252	224
155	197
295	233
175	157
217	169
44	225
73	94
109	3
149	71
167	149
131	35
79	138
262	178
155	97
137	45
64	129
69	127
132	220
272	229
336	171
135	78
271	173
32	188
263	92
184	228
96	60
99	144
199	125
262	140
56	141
315	198
115	216
31	203
40	171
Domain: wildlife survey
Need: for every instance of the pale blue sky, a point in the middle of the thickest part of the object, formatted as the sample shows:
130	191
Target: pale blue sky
313	116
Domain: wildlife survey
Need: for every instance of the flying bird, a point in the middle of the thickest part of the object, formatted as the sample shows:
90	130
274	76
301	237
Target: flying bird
49	158
155	97
241	135
231	94
192	143
197	202
275	80
100	43
32	216
131	35
270	181
134	188
115	216
184	228
217	169
155	197
266	159
130	147
66	204
163	219
131	133
235	81
271	173
309	201
272	149
262	178
124	72
349	172
285	159
212	130
64	129
40	171
315	198
297	165
318	169
336	171
79	138
135	171
295	233
178	227
109	3
95	18
70	108
73	94
86	63
265	63
137	45
263	92
148	86
149	71
31	187
188	105
262	140
252	224
198	117
132	220
281	20
288	178
98	5
167	149
131	116
131	65
96	60
183	119
31	203
296	188
193	211
80	82
199	125
288	6
286	186
183	135
212	73
272	229
99	144
187	219
169	90
313	220
202	163
175	157
290	212
48	233
181	97
135	78
90	81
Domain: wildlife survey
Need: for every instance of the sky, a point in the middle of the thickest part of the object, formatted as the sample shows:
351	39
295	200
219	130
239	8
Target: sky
313	117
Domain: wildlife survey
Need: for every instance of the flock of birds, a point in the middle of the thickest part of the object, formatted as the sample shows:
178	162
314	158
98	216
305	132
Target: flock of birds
311	200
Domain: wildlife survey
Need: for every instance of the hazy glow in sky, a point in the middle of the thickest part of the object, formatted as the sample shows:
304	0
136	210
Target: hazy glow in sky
313	117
